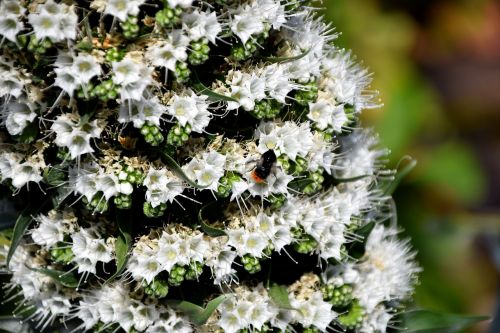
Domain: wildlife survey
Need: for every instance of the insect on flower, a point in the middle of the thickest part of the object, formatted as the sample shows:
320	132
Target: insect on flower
264	166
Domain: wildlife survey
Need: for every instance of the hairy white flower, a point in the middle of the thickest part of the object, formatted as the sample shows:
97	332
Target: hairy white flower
17	115
200	25
74	132
123	8
55	21
142	111
168	52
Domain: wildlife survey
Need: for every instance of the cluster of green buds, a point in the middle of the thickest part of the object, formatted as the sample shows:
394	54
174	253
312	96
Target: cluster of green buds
264	329
199	52
353	318
168	17
61	253
105	91
97	204
308	94
304	243
131	175
241	52
315	182
310	329
123	201
153	212
152	134
182	72
251	264
158	288
130	28
39	46
277	201
114	54
177	275
178	135
193	270
340	297
267	109
226	184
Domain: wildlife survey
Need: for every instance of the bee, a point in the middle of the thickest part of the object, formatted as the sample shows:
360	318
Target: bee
264	166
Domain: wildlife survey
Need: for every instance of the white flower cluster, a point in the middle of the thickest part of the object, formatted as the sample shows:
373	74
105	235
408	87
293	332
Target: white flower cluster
193	150
55	21
17	169
112	304
386	271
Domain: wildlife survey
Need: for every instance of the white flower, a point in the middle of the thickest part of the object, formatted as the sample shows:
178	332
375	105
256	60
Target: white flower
313	311
50	230
10	25
246	23
162	186
361	155
170	51
180	3
387	270
141	111
200	25
17	115
89	248
123	8
85	67
190	109
132	77
207	170
289	138
54	21
75	132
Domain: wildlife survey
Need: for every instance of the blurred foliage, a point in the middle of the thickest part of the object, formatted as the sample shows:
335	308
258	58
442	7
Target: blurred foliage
413	121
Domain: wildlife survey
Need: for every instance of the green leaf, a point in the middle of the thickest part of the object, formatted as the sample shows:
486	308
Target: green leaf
54	176
123	242
196	313
348	180
29	133
22	223
365	230
209	230
299	184
279	296
391	187
200	88
66	279
168	160
426	321
286	59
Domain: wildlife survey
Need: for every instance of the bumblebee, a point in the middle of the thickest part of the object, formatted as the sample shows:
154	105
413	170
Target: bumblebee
264	166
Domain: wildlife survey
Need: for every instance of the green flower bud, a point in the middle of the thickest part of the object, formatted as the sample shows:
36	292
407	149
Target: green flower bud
158	288
353	318
309	94
97	204
152	134
62	254
176	275
194	270
123	201
339	297
267	109
182	72
178	135
154	212
199	52
251	264
305	244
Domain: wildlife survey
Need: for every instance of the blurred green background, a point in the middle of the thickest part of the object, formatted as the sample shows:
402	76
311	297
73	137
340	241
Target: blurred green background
437	67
